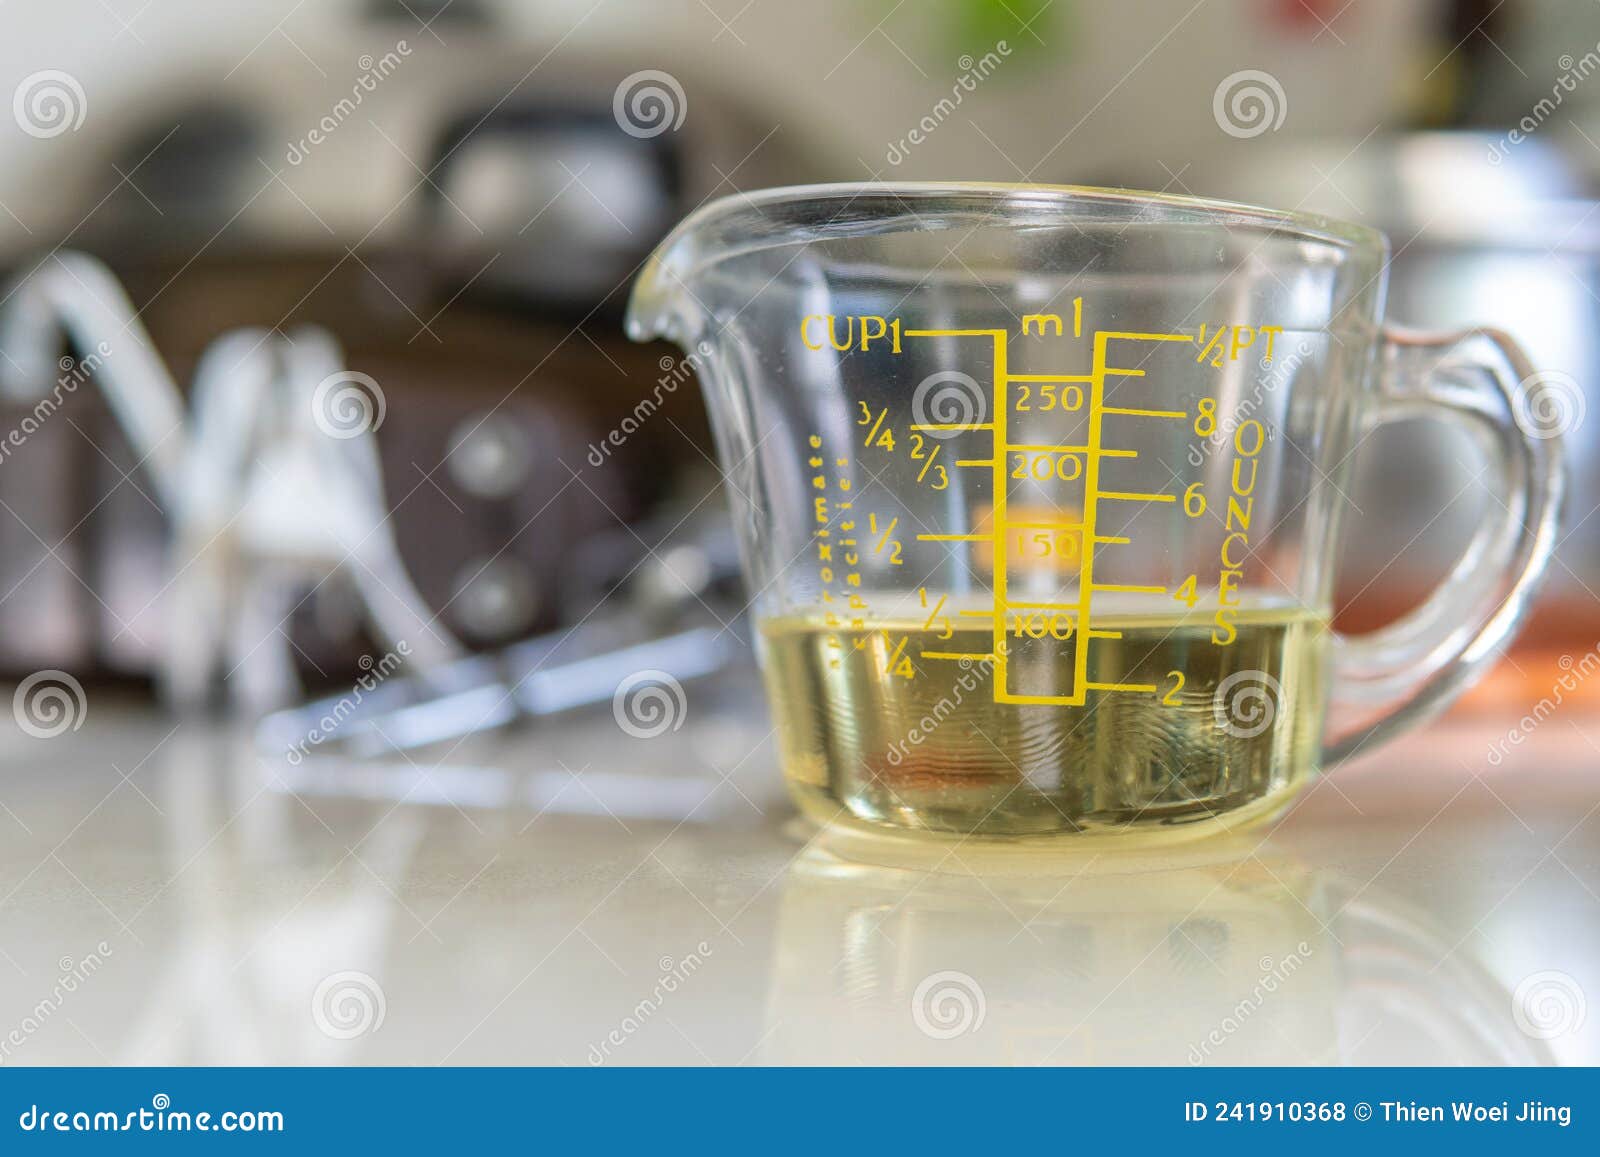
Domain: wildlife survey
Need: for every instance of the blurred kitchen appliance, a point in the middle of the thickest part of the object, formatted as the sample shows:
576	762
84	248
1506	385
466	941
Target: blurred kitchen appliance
461	218
271	482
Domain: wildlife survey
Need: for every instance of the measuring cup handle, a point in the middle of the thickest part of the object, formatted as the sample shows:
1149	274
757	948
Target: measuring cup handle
1481	381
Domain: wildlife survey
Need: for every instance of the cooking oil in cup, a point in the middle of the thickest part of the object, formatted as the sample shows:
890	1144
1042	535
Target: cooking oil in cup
901	725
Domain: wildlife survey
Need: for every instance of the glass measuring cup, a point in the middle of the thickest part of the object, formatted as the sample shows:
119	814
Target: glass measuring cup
1040	490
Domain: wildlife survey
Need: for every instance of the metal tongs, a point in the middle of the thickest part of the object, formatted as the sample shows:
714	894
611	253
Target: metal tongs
677	624
534	679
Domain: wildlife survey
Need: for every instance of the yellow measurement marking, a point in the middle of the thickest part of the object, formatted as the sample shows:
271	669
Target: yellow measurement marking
1001	695
1137	413
974	461
1002	405
873	433
953	537
1092	452
1109	335
955	655
929	463
894	655
1091	510
1130	588
1059	449
952	426
995	333
934	614
1137	497
889	530
974	614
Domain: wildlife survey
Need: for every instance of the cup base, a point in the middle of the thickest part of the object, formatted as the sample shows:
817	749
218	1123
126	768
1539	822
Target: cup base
854	837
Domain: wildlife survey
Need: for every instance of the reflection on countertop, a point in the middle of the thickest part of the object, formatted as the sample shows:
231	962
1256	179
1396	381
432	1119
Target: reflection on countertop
1249	956
582	896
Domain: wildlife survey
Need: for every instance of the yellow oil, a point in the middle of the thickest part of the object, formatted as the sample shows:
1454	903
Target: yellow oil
873	732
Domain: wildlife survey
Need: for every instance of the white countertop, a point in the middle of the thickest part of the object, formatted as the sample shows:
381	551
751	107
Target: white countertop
579	895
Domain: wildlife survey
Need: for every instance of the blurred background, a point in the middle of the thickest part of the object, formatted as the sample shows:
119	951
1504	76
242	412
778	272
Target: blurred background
312	378
458	194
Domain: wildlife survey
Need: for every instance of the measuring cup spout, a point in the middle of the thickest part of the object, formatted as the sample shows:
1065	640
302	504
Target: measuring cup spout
705	273
655	306
666	301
